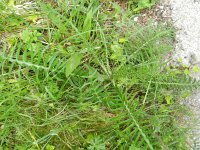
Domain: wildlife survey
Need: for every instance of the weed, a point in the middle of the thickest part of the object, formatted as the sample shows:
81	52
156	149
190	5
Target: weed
71	81
137	5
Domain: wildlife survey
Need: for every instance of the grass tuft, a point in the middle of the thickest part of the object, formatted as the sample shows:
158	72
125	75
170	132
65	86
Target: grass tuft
81	75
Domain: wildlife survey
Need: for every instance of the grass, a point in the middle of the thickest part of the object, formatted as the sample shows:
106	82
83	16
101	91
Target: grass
82	75
138	5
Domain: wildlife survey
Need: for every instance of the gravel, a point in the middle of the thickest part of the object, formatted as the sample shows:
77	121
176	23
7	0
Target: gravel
186	18
185	15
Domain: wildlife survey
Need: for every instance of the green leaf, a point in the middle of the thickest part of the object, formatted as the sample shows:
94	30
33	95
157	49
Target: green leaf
32	18
144	4
195	69
11	3
122	40
72	63
88	24
117	52
180	60
96	143
12	81
133	147
168	99
50	147
25	36
186	72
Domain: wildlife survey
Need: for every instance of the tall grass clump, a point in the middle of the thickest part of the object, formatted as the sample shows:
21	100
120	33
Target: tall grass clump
80	75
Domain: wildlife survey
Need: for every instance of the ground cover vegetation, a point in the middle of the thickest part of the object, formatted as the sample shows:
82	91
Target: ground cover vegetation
80	74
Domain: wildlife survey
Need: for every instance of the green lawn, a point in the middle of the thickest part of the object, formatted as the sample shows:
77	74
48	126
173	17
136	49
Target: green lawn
81	74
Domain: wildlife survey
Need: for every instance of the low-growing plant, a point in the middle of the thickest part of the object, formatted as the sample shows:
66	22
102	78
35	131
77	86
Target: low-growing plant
71	81
137	5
